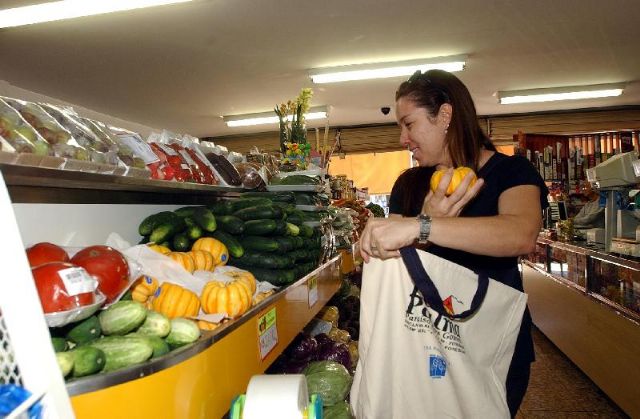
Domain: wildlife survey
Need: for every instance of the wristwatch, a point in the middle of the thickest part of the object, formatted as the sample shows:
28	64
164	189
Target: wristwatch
425	228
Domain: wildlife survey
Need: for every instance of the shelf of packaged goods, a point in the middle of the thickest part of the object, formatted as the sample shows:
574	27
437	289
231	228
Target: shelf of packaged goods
201	380
28	184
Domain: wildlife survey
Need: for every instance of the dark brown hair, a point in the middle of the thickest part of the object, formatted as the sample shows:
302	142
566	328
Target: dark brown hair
464	138
412	187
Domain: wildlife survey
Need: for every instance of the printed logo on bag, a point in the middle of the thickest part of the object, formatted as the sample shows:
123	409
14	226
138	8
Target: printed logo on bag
419	318
437	366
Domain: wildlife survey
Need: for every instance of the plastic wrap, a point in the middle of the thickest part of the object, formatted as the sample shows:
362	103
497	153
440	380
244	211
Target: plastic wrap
250	175
19	134
62	143
125	154
99	152
206	168
159	144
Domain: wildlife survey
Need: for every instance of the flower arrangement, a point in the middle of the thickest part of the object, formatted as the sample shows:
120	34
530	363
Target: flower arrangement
292	123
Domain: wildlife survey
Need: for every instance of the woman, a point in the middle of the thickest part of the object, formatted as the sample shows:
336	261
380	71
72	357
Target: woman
484	227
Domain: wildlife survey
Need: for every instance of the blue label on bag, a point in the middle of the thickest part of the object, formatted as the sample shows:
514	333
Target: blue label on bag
437	366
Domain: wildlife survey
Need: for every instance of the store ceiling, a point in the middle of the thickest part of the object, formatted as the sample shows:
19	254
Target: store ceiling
181	67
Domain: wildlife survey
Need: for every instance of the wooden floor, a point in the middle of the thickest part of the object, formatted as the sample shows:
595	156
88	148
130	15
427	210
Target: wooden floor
558	389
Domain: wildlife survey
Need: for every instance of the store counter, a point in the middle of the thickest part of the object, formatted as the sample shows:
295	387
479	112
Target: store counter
587	302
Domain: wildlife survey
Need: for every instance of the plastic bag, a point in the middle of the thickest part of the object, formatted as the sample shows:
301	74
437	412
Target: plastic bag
19	134
250	175
60	139
191	144
99	152
179	169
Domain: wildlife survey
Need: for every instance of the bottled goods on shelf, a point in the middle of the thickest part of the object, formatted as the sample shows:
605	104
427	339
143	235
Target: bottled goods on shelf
565	159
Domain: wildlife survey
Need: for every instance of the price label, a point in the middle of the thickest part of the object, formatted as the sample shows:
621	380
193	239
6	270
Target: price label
77	281
140	148
312	284
267	332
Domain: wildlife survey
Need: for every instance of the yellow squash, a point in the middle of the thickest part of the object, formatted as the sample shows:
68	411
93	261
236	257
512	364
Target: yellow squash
233	298
243	276
160	249
215	247
203	260
205	325
458	174
184	259
173	301
144	287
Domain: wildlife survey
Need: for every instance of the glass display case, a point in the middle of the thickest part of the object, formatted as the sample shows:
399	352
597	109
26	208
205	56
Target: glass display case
609	278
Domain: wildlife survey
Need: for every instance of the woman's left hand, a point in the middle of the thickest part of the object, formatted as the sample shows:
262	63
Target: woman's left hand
437	204
383	237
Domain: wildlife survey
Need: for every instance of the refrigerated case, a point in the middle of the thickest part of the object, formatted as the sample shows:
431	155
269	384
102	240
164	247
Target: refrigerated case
200	380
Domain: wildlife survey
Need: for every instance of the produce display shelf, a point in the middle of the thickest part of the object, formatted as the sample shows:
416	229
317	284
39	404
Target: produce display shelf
201	380
43	185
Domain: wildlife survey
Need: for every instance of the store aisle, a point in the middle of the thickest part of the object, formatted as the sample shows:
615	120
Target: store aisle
558	389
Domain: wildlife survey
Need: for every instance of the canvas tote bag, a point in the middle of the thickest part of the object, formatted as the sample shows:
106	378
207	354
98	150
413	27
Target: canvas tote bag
446	357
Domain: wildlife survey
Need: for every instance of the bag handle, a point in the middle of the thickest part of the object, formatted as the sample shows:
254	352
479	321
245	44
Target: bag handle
429	291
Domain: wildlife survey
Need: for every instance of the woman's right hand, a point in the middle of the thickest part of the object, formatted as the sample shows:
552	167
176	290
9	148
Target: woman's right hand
437	204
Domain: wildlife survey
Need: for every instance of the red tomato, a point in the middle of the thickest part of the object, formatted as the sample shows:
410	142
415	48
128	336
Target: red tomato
52	291
107	266
41	253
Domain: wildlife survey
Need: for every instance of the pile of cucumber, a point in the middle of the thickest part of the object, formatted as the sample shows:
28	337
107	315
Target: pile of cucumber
123	335
277	245
263	232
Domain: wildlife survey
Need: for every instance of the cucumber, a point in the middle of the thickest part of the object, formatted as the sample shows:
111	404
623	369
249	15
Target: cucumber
181	242
194	232
250	202
184	212
233	245
285	207
276	277
222	207
264	260
305	230
165	231
259	212
260	244
299	254
156	324
87	360
296	217
259	227
230	224
59	344
122	317
205	219
183	332
65	362
281	228
287	196
123	351
292	229
304	199
160	347
86	331
299	241
285	244
148	224
300	180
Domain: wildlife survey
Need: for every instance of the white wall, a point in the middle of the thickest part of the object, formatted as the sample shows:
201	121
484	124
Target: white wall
7	89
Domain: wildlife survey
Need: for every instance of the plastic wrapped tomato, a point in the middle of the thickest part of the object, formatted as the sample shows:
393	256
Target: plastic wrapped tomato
108	266
196	173
63	286
41	253
181	170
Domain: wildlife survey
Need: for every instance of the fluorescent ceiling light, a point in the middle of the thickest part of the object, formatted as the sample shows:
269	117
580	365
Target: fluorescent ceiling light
68	9
386	69
561	93
245	120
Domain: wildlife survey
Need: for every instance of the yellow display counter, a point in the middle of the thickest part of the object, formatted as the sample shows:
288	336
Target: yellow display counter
200	381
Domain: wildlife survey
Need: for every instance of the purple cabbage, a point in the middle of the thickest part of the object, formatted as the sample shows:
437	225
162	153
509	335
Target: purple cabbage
303	348
337	352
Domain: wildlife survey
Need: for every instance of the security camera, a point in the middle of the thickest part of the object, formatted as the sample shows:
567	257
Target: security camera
385	110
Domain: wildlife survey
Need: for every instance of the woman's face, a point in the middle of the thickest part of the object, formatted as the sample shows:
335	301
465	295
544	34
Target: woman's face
422	134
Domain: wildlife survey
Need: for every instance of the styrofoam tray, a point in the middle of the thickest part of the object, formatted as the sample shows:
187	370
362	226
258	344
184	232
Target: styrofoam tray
62	318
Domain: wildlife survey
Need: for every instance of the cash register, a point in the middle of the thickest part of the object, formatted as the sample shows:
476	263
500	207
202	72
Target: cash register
618	173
